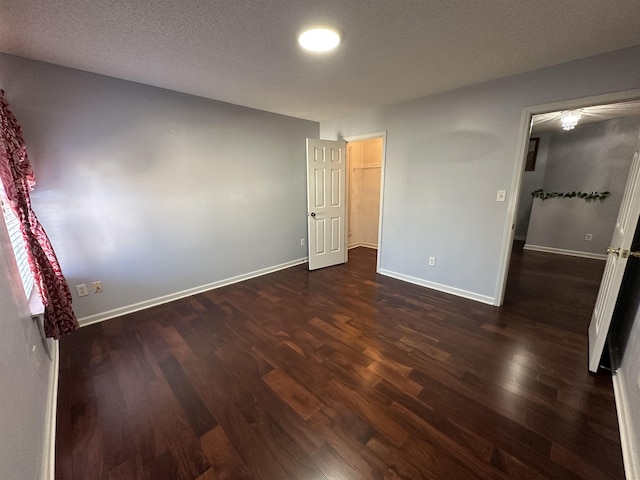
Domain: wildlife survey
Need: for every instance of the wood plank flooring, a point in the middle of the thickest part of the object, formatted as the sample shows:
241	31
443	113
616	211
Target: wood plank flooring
343	374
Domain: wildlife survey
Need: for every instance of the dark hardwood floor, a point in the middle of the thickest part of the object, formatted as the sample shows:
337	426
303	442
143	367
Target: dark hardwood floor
343	374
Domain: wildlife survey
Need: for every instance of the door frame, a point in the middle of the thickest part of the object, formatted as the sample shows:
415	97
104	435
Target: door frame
520	159
356	138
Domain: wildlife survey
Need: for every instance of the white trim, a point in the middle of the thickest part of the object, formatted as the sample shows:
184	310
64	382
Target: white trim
509	228
516	183
117	312
367	136
439	287
562	251
49	450
363	244
630	453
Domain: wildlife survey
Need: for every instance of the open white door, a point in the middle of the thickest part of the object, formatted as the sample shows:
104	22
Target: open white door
326	209
616	263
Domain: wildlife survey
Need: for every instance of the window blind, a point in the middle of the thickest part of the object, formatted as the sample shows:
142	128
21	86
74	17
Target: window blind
17	242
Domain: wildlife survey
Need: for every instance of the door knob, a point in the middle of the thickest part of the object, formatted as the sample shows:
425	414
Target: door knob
614	251
634	254
313	214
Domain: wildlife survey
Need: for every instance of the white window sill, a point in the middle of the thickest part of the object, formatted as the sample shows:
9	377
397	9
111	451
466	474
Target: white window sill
37	314
35	303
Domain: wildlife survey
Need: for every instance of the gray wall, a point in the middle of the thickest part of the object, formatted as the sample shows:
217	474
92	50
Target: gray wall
624	347
448	154
24	376
628	374
155	192
531	181
594	156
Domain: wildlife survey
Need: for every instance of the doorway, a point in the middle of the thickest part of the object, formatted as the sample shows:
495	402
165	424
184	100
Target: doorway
365	170
591	160
550	113
602	153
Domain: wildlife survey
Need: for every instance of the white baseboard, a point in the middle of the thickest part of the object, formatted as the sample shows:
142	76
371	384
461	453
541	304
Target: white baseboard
362	244
630	449
49	450
439	287
562	251
117	312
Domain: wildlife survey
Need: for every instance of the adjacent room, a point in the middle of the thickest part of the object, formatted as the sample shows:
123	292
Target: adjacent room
287	260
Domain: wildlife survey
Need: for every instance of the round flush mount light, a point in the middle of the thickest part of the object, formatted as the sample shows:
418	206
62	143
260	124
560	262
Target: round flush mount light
319	39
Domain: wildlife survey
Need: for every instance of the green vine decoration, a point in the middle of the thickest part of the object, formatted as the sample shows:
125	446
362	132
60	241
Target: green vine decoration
586	196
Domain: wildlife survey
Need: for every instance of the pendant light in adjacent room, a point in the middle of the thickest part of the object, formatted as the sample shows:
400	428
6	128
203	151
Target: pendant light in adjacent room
570	119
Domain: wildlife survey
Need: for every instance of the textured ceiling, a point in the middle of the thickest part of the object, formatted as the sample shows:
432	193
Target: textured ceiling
245	52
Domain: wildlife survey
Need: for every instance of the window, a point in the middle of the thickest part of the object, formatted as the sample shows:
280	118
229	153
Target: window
17	242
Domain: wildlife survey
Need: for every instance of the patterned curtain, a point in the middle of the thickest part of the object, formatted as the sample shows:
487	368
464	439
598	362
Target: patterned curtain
18	180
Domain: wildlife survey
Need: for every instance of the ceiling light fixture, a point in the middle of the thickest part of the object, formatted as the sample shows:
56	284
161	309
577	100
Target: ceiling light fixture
319	39
570	119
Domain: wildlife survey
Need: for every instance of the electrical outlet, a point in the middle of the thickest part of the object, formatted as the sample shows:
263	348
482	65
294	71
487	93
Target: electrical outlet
97	287
432	261
82	290
588	237
302	242
501	196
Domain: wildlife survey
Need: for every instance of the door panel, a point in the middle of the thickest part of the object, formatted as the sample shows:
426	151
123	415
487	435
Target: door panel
616	263
320	248
336	183
326	171
319	187
336	234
